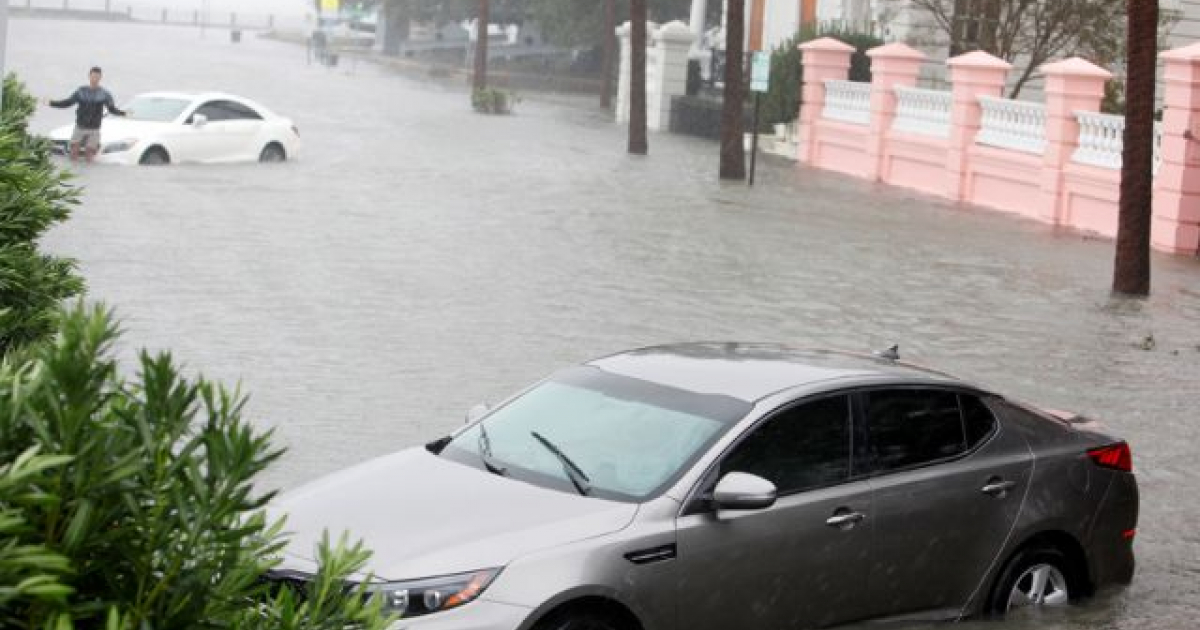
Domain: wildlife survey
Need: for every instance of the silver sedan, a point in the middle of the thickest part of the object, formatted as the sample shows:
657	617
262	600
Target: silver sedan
718	486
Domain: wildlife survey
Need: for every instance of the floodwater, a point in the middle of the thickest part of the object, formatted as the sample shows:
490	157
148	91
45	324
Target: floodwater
419	258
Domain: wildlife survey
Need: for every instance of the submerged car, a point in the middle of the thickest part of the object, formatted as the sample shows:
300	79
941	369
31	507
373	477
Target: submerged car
718	486
174	127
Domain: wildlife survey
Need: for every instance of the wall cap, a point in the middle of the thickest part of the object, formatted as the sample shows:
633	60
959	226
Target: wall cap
1075	66
827	44
979	59
896	50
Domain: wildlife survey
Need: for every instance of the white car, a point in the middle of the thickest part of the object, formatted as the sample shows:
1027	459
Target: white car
172	127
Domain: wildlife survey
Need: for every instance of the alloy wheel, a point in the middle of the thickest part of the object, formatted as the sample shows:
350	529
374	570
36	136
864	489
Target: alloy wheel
1040	585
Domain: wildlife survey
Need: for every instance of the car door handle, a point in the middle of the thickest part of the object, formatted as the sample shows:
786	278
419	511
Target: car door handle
845	520
998	487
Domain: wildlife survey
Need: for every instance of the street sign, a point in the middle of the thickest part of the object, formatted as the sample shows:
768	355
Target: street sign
760	72
330	6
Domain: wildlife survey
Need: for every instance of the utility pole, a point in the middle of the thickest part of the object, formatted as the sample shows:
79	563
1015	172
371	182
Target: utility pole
1131	267
610	41
481	47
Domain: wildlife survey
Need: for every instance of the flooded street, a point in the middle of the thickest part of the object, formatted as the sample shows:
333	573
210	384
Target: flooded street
419	258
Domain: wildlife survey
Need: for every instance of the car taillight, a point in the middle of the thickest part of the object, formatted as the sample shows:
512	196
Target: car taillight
1116	457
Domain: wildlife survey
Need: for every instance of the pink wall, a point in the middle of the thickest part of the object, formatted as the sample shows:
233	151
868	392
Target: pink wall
1042	183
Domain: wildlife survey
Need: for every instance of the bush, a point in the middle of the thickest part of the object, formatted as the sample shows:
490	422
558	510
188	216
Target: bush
781	103
145	514
493	101
34	196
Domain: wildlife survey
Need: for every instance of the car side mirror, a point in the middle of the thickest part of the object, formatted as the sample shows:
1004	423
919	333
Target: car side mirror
199	120
743	491
477	412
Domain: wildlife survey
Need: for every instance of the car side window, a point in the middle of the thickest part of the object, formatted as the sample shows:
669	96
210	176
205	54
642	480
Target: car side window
910	427
801	448
226	110
237	111
978	421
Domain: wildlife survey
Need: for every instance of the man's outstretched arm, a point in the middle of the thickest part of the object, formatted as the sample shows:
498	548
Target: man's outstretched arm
70	101
112	107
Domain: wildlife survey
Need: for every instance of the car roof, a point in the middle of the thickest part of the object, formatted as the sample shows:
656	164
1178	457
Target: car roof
195	96
753	371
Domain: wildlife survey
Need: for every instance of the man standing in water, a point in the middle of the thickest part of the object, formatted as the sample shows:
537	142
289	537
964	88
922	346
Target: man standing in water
90	100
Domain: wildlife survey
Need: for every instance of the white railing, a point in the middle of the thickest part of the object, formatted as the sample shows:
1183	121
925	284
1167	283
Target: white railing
921	111
1102	140
848	101
1009	124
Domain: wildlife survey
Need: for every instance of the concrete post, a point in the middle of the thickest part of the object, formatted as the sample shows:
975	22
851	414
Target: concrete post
1071	85
1176	224
824	58
164	16
891	65
671	43
972	75
696	23
623	34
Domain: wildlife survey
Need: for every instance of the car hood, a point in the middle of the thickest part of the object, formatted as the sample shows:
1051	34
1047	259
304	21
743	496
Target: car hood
114	128
422	515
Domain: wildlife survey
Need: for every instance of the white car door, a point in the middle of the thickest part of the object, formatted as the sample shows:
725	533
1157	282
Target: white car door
199	137
242	128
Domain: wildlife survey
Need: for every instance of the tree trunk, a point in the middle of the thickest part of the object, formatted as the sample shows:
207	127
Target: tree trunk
637	78
733	154
1131	269
610	40
481	47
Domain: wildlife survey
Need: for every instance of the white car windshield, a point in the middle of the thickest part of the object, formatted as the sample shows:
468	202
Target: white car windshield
155	108
625	438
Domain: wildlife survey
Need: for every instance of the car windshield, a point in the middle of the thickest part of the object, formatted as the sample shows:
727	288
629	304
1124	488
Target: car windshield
589	431
155	108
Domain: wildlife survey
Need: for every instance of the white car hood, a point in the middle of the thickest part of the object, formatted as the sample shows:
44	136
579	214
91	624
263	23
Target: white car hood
422	515
115	128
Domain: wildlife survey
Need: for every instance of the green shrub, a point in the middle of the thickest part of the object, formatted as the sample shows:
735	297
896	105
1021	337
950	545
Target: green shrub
781	103
34	196
493	101
148	501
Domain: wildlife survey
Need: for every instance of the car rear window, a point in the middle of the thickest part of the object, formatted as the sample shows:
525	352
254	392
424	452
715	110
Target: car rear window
911	427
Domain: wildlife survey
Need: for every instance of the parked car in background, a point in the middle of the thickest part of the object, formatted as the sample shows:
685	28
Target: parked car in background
176	127
719	486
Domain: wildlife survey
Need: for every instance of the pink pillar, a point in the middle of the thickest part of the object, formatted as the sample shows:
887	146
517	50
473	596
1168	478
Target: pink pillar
891	65
1176	226
973	75
1071	85
824	58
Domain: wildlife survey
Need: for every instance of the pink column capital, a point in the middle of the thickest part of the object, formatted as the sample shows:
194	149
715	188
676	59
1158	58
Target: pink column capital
972	75
892	65
822	59
1072	85
1176	224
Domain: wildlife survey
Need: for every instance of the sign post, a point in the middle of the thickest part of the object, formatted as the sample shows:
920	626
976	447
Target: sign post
3	45
760	81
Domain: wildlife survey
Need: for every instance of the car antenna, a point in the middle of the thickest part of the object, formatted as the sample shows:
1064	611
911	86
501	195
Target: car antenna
891	354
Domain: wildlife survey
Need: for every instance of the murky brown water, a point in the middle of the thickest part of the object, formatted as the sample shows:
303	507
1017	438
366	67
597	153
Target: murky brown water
420	258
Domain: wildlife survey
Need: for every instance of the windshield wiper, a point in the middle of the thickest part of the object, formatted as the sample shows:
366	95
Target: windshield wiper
581	481
485	453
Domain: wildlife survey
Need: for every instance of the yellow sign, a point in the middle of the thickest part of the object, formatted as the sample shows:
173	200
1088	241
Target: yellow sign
329	5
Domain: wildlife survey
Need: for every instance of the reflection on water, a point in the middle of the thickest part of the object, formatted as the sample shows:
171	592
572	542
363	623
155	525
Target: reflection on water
420	258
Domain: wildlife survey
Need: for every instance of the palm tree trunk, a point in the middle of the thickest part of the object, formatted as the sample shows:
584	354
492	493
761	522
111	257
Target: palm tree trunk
481	46
733	155
1131	268
637	78
610	25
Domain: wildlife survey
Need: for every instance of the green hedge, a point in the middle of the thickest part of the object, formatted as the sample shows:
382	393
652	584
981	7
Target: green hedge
34	196
781	103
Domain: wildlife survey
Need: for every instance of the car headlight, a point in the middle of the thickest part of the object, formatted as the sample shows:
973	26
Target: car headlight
413	598
119	146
